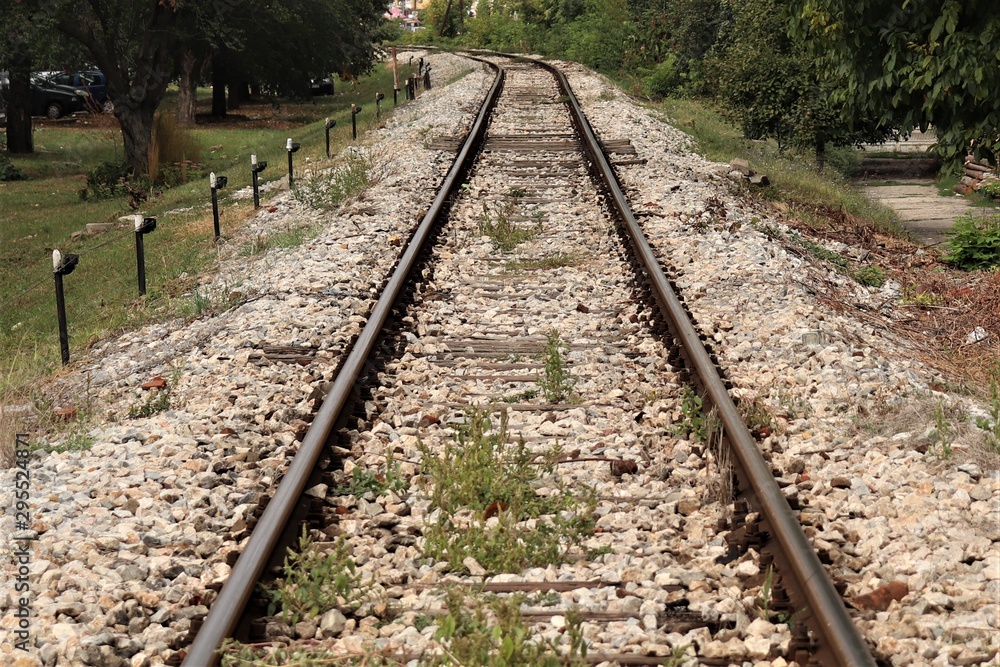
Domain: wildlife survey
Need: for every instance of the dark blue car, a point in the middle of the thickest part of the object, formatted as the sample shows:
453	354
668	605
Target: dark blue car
92	81
47	98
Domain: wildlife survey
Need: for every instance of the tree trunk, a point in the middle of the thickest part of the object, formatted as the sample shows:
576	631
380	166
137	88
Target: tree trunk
188	86
234	95
820	153
136	82
19	138
218	85
137	133
444	19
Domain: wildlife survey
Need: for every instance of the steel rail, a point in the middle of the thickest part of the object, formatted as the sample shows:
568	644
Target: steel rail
235	594
843	640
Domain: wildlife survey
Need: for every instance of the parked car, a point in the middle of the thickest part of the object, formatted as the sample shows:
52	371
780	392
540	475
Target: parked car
47	98
322	86
92	81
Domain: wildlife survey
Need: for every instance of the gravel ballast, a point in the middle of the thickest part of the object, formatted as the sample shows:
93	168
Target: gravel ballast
132	537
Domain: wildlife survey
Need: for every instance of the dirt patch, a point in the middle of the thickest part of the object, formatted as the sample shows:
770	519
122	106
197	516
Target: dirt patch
941	306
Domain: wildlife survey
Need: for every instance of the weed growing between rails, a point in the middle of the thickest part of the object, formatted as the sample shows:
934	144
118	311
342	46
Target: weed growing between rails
556	261
315	581
502	230
474	632
486	512
555	381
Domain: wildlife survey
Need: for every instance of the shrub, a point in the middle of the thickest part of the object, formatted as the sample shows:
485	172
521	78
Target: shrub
664	79
872	276
8	172
990	187
106	180
974	243
115	179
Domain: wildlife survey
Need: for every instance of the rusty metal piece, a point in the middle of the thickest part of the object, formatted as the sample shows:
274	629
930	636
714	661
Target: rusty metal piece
842	643
226	612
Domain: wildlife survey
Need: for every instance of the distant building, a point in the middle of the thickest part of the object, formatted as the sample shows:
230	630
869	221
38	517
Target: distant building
406	7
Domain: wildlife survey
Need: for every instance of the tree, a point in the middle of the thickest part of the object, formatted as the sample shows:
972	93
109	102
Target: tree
773	86
255	43
17	35
134	45
914	64
137	44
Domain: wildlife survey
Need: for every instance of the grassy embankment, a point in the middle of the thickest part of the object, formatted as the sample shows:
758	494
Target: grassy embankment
796	185
43	212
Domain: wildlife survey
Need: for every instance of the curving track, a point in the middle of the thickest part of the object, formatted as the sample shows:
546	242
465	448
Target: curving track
463	323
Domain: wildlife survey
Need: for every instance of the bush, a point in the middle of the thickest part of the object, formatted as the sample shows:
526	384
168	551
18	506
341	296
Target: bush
115	179
990	188
974	243
664	79
106	180
8	172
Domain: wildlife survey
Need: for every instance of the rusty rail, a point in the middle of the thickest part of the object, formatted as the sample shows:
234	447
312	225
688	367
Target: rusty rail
843	643
235	594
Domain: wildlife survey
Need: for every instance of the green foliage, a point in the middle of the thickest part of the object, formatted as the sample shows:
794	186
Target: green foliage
480	467
9	172
664	78
156	401
497	636
507	545
694	422
502	230
548	262
107	180
776	89
942	434
756	414
473	633
315	582
871	275
236	654
989	188
326	190
521	396
555	381
911	64
991	425
511	526
364	481
974	242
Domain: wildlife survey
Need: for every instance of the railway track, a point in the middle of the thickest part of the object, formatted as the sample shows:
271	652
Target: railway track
532	331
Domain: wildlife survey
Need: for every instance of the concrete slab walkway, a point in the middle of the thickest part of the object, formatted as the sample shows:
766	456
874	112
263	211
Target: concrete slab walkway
920	208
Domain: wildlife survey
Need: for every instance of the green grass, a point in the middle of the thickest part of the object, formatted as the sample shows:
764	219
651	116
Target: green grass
40	214
794	178
483	473
546	263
